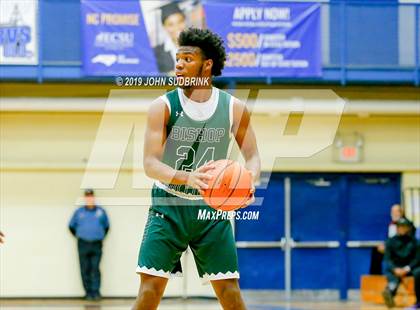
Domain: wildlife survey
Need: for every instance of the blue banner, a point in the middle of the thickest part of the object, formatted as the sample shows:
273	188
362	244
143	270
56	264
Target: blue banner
268	39
115	40
277	39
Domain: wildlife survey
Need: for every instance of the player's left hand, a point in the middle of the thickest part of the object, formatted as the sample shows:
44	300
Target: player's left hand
251	199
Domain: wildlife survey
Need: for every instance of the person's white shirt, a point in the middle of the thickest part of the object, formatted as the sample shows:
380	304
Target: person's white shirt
392	230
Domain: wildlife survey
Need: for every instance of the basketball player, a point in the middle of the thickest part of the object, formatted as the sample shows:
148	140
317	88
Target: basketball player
187	129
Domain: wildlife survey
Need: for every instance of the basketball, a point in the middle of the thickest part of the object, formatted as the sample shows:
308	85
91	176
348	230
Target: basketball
230	187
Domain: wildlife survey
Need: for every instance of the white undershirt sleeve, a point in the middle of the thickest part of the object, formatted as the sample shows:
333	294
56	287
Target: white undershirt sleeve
165	99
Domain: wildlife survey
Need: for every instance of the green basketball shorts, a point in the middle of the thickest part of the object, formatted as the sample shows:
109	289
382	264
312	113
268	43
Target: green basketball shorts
170	229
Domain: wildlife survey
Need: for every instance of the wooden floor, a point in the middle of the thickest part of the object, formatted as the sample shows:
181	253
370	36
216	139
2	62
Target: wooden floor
176	304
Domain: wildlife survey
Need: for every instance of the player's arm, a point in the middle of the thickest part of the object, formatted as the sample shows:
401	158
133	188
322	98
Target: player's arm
154	143
245	137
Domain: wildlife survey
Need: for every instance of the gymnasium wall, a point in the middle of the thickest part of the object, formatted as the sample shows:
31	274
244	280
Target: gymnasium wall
43	157
57	140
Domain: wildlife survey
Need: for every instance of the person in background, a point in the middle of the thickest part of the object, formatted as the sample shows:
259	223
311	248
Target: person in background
397	212
90	224
173	21
418	233
402	256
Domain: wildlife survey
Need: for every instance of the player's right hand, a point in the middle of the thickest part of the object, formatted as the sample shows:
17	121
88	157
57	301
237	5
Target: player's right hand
199	178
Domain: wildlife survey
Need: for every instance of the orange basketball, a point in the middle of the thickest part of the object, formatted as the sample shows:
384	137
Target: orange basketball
230	186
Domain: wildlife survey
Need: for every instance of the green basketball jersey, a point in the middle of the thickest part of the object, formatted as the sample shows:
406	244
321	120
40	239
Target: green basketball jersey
191	143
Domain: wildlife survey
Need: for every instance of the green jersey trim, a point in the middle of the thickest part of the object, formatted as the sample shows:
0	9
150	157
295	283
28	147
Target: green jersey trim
179	194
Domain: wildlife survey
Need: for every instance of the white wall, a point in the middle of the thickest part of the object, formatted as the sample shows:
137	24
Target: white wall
40	258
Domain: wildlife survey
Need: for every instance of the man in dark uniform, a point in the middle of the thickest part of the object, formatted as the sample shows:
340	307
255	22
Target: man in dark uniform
397	212
90	224
402	256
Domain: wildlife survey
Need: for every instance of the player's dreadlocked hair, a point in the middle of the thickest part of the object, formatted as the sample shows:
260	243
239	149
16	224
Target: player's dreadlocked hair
209	42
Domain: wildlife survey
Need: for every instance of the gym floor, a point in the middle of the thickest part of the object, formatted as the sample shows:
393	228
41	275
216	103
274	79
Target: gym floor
177	304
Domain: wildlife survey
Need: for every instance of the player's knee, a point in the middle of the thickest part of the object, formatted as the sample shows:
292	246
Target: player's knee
231	295
148	298
149	292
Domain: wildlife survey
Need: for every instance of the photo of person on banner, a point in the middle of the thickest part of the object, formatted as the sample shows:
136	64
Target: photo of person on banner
173	21
164	22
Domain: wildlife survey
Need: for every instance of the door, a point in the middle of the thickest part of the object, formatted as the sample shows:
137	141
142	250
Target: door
315	231
259	243
370	197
